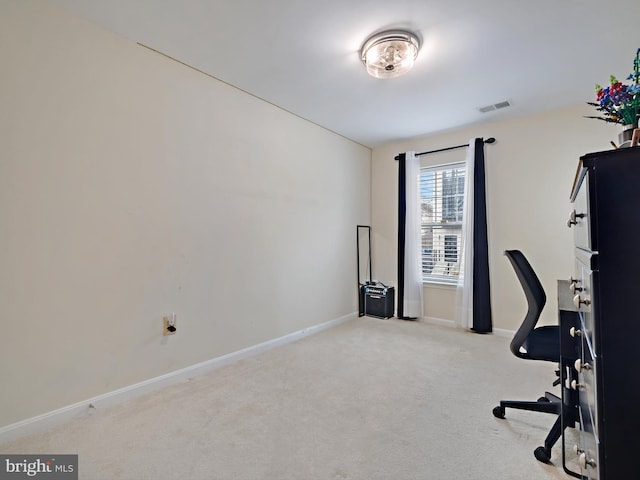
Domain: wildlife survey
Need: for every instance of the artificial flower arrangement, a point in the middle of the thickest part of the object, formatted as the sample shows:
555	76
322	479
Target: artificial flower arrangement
620	103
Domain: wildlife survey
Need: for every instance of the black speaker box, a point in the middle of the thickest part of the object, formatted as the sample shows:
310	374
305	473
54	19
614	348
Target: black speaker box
377	300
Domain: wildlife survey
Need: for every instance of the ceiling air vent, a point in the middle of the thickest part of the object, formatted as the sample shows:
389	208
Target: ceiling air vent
495	106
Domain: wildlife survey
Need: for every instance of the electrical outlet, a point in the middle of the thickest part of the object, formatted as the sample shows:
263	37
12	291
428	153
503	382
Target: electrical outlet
169	325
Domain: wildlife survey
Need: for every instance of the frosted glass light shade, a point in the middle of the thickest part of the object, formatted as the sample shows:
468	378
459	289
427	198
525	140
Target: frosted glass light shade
390	54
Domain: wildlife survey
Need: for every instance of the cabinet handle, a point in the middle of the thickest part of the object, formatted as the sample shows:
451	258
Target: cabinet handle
584	461
577	301
574	286
572	218
577	450
574	332
579	366
576	386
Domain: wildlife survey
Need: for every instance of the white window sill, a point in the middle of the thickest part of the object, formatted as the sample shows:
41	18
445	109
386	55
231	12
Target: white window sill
442	285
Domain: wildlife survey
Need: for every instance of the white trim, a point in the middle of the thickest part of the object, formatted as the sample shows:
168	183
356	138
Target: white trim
47	420
498	332
439	285
439	321
501	332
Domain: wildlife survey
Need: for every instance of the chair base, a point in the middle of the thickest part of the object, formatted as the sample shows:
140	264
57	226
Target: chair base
550	403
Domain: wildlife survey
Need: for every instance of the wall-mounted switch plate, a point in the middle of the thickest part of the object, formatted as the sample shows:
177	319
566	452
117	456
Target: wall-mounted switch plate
167	322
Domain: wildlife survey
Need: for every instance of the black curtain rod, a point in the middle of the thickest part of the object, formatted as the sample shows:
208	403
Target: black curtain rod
488	140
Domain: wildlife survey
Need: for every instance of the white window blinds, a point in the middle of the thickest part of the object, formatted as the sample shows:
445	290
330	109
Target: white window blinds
442	201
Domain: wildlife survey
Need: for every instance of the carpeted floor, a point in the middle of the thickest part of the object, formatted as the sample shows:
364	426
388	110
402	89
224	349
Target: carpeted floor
370	399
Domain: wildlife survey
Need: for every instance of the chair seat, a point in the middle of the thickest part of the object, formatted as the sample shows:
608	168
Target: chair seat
543	343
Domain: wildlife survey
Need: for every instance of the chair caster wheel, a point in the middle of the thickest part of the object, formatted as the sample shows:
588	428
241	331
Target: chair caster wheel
498	412
544	399
541	455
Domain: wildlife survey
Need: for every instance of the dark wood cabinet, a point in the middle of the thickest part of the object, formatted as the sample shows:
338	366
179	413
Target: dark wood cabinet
605	286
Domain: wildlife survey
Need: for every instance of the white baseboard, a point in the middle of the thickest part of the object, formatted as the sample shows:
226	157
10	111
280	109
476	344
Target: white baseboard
60	415
499	332
439	321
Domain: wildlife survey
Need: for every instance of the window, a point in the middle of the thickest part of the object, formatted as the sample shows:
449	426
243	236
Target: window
441	202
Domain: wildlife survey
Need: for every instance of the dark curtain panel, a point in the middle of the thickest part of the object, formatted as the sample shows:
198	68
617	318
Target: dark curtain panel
481	288
402	220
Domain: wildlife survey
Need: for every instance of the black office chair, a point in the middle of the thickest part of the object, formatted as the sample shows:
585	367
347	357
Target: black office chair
531	343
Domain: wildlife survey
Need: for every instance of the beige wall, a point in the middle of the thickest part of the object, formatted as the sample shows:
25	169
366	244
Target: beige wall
530	170
132	186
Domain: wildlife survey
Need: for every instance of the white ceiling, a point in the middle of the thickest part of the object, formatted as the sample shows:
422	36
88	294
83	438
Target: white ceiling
303	55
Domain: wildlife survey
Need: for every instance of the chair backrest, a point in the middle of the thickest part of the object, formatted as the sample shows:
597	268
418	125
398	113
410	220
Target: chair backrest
536	299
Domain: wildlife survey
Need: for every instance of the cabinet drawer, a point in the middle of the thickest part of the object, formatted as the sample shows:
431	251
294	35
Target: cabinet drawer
582	295
588	448
587	385
579	218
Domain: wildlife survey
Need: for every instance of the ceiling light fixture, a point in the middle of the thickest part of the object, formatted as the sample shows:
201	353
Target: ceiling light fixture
390	54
